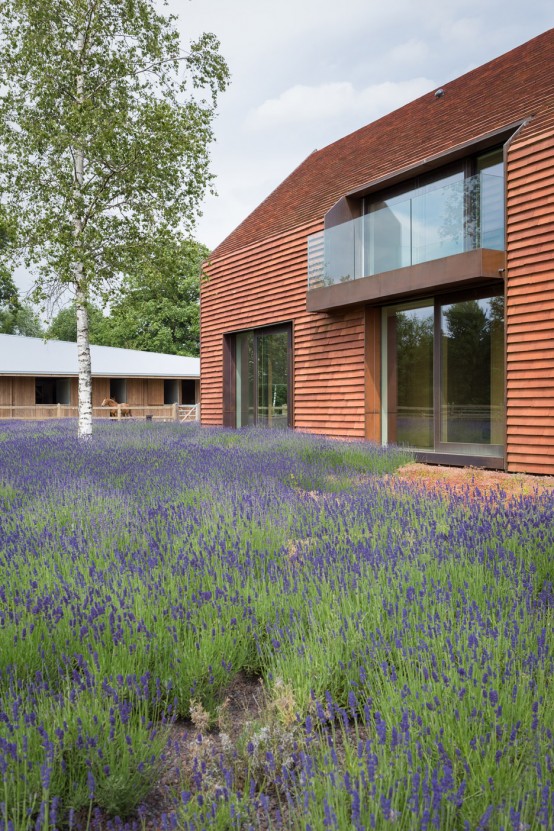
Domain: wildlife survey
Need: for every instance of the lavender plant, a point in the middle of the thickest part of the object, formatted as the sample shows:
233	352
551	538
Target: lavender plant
140	573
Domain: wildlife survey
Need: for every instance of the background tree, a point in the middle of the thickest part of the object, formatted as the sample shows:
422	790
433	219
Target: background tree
157	308
22	320
9	297
64	325
16	316
105	125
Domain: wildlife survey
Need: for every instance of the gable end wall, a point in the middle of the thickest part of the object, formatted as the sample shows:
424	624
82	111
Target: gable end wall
530	305
263	285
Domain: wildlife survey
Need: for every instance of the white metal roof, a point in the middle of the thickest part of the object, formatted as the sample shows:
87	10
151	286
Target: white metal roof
33	356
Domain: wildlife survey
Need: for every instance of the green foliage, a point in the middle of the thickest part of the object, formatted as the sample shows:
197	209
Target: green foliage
16	317
64	325
8	290
22	320
105	125
157	308
108	80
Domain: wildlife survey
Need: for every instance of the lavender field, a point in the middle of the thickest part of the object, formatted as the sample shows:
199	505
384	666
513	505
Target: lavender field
404	639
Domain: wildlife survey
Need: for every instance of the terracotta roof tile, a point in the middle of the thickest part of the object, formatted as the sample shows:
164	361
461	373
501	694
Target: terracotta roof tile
513	87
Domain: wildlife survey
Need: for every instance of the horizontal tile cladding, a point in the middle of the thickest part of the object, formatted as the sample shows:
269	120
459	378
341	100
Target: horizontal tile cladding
530	299
518	85
265	284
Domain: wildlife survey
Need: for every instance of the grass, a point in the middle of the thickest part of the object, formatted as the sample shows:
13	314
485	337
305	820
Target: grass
404	641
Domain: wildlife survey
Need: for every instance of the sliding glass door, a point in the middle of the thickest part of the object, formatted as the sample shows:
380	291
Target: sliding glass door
472	373
443	375
409	390
262	377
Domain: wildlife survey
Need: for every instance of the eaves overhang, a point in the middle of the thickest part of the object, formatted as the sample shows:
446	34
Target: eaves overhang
479	144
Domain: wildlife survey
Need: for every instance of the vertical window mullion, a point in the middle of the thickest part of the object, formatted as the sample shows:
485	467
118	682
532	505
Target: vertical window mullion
437	374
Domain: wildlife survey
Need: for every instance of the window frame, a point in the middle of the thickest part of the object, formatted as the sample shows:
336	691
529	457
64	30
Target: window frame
491	451
230	371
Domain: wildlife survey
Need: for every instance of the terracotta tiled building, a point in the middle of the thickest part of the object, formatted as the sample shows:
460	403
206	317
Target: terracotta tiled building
399	284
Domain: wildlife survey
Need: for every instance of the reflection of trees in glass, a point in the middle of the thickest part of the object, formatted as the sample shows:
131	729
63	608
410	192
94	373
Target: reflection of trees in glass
248	403
273	370
469	329
280	368
496	313
473	213
460	219
414	339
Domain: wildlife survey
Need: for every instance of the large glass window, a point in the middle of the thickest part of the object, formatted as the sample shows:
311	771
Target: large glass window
410	376
490	169
388	234
443	374
262	377
273	379
472	371
438	219
448	211
422	223
244	379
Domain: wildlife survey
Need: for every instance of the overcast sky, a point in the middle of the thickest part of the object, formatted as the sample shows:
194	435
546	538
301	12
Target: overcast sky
307	72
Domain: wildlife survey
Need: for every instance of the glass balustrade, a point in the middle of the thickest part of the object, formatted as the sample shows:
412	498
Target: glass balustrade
432	222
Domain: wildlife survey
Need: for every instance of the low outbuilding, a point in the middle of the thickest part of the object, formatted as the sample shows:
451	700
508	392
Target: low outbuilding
39	379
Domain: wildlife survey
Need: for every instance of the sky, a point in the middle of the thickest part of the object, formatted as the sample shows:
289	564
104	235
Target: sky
305	73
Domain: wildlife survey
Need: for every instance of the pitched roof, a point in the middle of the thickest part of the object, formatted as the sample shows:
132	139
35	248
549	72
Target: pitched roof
21	355
516	86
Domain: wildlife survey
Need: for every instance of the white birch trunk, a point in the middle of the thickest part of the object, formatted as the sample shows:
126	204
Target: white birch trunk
83	356
81	295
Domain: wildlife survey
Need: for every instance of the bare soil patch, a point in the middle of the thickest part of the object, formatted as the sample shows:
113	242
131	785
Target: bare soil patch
189	747
474	481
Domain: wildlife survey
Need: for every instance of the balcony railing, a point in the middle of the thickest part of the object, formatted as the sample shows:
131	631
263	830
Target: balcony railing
430	223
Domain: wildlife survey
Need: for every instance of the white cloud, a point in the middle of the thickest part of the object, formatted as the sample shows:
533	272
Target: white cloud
461	32
410	52
302	103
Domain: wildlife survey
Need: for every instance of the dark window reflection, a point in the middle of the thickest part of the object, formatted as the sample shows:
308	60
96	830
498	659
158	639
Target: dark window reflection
472	360
262	378
410	389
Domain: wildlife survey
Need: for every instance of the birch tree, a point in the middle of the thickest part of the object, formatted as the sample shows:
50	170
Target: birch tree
105	128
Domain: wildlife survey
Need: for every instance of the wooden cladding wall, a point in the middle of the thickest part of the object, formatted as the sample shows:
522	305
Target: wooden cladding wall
20	391
16	392
6	393
265	284
100	390
530	304
136	391
155	391
373	374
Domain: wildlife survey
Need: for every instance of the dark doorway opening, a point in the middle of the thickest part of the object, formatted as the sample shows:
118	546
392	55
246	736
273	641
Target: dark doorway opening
118	390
